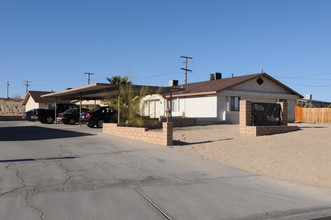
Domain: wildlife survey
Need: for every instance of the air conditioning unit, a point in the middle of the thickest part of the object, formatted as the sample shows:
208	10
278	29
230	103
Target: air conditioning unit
309	96
173	82
215	76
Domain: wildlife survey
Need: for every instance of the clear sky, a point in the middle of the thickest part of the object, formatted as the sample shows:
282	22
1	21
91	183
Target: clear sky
52	43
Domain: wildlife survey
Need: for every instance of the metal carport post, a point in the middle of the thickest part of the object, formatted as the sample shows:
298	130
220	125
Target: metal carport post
55	110
80	109
119	108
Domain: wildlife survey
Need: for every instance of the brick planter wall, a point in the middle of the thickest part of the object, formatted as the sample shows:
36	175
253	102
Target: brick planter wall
266	130
163	137
245	122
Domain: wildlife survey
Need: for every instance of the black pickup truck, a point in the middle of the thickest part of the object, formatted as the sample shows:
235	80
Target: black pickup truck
48	115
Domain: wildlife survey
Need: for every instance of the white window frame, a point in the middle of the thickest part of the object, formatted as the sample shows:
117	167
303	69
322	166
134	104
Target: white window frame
234	103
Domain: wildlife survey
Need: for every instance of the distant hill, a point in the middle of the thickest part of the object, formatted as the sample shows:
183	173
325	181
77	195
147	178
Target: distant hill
11	107
12	100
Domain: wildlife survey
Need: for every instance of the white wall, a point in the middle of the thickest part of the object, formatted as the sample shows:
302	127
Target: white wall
267	97
31	104
267	86
291	110
199	107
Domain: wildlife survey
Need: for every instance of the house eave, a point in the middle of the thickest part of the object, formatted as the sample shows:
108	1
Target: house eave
192	94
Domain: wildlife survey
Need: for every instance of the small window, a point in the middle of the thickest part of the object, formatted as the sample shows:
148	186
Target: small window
234	103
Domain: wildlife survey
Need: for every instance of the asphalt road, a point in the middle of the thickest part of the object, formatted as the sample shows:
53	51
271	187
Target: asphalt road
71	172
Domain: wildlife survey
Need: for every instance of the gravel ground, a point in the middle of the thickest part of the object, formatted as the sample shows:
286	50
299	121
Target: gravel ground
301	156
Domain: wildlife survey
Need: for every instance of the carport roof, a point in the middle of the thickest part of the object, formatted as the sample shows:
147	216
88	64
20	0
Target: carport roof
102	90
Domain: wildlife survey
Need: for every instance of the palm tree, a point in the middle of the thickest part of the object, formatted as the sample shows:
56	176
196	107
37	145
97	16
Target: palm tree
119	80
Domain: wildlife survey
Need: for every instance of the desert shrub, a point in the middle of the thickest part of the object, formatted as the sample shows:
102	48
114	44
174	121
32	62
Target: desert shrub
130	107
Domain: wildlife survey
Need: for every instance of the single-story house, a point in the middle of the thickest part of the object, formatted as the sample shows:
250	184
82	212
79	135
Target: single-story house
311	103
33	100
217	100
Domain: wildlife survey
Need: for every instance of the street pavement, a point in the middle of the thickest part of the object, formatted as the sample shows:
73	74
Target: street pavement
71	172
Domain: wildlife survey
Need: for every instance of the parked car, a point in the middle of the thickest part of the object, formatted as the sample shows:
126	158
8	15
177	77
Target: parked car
83	119
30	115
48	115
71	116
99	115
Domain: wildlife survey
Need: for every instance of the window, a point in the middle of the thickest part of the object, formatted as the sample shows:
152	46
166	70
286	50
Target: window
234	103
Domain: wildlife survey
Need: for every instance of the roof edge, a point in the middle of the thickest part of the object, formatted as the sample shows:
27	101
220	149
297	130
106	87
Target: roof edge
254	76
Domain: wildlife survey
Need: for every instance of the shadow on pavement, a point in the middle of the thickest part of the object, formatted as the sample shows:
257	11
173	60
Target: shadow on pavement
34	133
312	127
35	159
179	142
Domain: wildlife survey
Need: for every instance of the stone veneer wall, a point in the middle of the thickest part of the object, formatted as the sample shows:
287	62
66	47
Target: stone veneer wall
245	121
164	137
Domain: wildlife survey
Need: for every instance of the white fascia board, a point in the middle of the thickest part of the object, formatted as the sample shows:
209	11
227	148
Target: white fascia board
262	95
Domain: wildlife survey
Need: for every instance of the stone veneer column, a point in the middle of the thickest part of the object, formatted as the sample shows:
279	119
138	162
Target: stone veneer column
245	114
283	106
167	127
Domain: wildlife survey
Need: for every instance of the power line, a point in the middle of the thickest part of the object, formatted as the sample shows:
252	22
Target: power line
301	76
88	77
186	66
27	84
306	84
157	75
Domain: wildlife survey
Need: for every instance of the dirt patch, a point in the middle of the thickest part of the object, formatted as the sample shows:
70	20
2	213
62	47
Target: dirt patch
11	108
300	156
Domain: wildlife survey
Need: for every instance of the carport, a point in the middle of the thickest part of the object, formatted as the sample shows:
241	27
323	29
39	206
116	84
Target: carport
105	90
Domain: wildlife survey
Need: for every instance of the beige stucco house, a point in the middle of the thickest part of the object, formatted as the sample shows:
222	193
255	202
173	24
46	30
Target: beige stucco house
33	100
217	100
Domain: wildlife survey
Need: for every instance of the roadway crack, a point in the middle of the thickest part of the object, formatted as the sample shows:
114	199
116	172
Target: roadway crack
17	174
28	202
69	184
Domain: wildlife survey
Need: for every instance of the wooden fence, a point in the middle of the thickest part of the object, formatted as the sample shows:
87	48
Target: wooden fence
322	115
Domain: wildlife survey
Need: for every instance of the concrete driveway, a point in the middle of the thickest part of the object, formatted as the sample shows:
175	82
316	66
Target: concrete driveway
71	172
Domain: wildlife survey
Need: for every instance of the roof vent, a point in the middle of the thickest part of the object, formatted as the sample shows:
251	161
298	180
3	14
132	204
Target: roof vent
215	76
173	82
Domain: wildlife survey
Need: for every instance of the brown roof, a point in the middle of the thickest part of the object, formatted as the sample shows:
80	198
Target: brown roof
103	91
214	86
36	95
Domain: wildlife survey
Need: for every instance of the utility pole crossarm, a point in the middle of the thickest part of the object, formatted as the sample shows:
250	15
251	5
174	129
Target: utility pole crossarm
88	77
27	84
186	66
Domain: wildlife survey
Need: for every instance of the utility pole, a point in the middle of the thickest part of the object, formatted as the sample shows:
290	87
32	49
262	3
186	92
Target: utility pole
88	77
7	89
27	84
186	65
